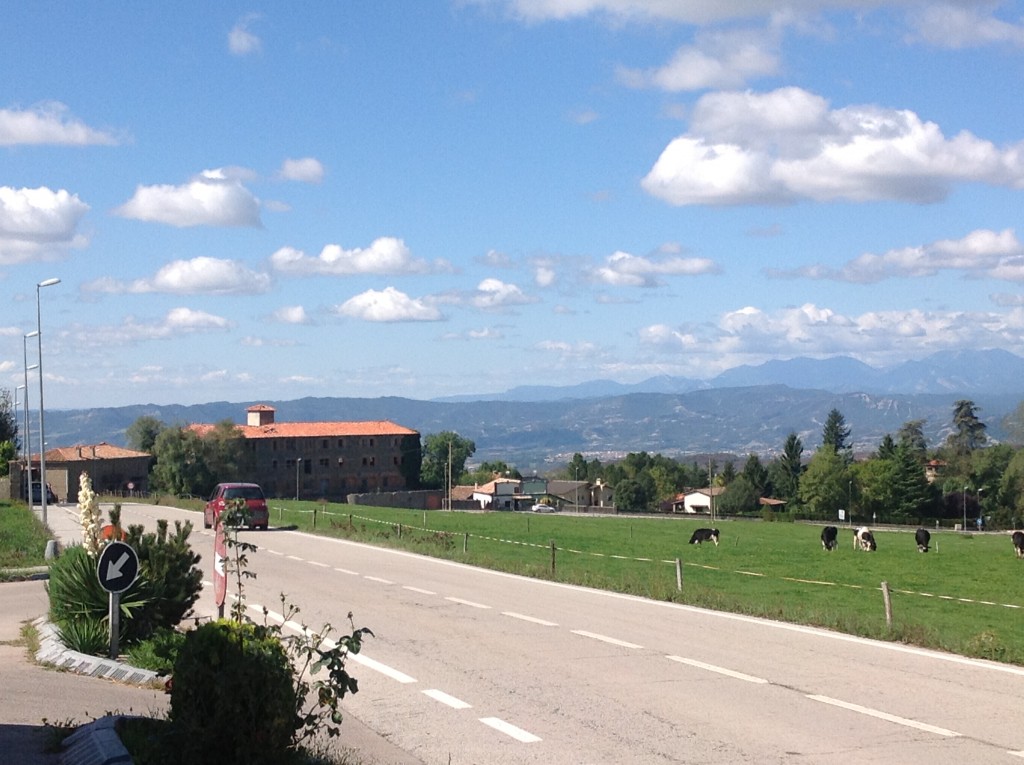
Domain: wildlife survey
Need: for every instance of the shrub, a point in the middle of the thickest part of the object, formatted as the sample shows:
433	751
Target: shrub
167	569
158	652
232	699
88	636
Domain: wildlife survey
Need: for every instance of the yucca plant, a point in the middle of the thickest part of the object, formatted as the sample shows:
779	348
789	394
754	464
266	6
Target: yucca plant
84	635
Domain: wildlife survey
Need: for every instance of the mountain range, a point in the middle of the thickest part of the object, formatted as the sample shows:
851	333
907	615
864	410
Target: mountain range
748	409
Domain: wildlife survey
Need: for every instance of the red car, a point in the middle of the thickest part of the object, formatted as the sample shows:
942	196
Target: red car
259	515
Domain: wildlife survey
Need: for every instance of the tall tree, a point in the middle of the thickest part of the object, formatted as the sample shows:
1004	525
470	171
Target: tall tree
968	430
788	468
911	435
823	486
181	466
836	435
141	435
444	459
756	475
886	449
9	443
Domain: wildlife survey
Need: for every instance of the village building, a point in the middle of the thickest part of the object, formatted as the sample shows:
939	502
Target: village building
112	470
325	460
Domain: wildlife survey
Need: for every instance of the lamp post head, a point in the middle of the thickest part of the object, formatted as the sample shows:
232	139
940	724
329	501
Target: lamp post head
48	283
33	333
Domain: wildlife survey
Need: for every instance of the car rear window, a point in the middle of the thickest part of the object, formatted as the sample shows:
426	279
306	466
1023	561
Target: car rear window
243	492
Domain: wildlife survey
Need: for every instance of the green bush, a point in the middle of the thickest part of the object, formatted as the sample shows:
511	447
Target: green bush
88	636
76	595
233	698
158	652
171	583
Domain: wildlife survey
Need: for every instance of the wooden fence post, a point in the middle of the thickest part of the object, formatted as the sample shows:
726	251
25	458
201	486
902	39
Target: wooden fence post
888	604
552	556
465	542
314	517
679	575
399	530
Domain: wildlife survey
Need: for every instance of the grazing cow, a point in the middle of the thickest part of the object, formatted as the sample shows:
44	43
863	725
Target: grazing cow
704	535
923	538
1018	543
864	540
830	538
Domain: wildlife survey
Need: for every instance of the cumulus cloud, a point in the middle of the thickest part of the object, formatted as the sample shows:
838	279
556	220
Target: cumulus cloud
38	223
198	276
49	123
495	295
998	254
213	198
787	144
624	270
752	335
387	305
727	59
242	41
305	170
946	25
175	323
386	255
291	314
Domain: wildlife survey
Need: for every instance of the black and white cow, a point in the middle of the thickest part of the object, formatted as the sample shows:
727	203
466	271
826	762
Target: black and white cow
830	538
704	535
923	539
1018	543
863	539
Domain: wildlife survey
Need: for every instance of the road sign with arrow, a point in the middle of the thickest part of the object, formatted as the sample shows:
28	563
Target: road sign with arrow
118	567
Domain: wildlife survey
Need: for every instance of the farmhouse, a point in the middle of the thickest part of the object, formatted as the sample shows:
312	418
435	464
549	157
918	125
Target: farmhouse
113	470
325	460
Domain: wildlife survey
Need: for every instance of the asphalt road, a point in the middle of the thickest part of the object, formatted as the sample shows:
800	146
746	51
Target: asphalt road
473	666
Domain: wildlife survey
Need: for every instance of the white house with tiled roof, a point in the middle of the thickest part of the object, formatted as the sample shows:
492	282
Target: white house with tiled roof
326	460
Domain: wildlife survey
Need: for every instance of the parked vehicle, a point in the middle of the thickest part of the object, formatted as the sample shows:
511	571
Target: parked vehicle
37	494
540	507
259	515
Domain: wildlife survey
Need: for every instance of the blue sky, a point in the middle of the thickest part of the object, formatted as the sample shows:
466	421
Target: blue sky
263	201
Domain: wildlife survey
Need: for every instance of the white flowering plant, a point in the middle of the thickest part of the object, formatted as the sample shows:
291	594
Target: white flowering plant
89	516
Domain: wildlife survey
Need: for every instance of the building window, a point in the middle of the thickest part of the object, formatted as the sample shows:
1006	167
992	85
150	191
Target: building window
341	443
364	462
274	464
395	460
384	482
371	442
307	466
373	461
324	462
325	444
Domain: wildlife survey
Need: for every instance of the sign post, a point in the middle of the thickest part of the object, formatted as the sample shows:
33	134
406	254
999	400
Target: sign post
117	570
220	579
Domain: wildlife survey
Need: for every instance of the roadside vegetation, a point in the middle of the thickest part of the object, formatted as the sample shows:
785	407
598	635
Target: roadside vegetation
22	539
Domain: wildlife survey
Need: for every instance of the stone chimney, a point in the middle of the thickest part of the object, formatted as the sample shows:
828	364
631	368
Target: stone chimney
259	415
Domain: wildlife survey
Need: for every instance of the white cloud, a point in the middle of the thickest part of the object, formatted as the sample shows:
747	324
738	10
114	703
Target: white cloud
241	40
624	270
386	255
544	275
726	59
387	305
38	223
291	314
198	276
494	295
998	254
176	322
305	170
751	335
952	26
214	198
784	145
49	123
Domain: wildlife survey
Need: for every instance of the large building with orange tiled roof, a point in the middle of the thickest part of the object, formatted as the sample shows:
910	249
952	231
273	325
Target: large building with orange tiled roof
326	460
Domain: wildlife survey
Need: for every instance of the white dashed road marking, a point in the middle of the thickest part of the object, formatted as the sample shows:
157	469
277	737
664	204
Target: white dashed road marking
347	571
419	590
384	669
444	698
606	639
884	716
378	579
531	619
467	603
510	730
294	557
317	563
719	670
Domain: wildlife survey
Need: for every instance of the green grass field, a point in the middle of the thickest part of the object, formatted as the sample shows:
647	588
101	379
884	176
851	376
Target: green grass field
22	537
964	596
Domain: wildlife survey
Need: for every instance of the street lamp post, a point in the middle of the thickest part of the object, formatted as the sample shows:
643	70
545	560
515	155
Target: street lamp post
42	426
298	462
28	430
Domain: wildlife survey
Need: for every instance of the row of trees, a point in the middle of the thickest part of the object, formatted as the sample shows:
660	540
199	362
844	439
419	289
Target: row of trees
973	478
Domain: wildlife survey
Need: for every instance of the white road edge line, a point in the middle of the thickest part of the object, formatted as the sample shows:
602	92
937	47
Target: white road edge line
884	716
347	571
719	670
531	619
318	563
444	698
420	590
605	639
510	730
378	579
384	669
467	603
294	557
